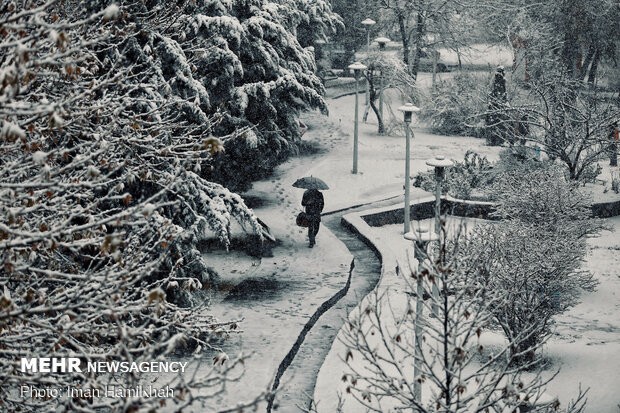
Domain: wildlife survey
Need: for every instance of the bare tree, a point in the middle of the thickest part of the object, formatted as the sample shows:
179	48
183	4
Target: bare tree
566	121
387	73
427	24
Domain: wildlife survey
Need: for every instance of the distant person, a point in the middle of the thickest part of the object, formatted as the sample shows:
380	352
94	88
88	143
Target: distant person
314	203
613	146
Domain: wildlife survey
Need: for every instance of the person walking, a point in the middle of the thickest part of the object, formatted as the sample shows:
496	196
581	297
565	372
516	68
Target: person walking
314	202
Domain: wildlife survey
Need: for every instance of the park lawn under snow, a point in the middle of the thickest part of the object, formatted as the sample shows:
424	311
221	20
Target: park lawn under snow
381	160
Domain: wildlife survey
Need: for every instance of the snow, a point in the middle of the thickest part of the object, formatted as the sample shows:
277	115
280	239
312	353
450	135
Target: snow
479	54
381	160
39	157
12	131
301	279
111	12
270	326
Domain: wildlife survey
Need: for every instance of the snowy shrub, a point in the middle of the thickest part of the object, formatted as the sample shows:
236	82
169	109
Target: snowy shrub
453	106
474	173
518	160
534	255
432	347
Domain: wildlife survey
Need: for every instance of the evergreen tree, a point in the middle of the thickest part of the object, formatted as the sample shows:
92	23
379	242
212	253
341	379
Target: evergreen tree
495	118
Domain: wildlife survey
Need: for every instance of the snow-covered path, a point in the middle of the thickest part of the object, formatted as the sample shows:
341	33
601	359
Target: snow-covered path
276	296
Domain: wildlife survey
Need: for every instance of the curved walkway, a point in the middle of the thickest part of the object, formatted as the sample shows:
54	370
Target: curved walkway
300	377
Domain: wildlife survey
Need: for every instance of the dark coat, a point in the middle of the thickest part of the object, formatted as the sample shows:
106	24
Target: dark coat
314	203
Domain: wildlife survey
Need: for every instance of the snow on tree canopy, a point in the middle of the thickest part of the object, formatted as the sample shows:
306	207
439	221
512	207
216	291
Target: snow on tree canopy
104	114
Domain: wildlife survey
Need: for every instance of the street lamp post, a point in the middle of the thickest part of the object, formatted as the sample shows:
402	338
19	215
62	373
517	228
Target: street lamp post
421	240
382	42
440	163
407	110
357	68
368	23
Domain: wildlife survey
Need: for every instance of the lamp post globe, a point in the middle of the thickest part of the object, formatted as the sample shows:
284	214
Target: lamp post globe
382	41
357	68
408	109
440	163
368	22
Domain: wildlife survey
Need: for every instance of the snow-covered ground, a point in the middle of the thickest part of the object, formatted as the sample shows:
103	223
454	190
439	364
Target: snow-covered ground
478	55
275	296
296	280
381	161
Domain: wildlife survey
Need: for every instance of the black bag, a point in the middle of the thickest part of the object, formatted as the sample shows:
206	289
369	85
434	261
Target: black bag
302	220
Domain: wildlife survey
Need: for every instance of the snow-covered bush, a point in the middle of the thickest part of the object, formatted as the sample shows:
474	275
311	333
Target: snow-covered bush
534	255
474	173
453	105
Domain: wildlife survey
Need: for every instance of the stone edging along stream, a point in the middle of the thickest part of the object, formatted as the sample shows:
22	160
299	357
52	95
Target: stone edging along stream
360	224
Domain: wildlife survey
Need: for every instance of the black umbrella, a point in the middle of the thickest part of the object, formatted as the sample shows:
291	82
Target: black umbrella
310	182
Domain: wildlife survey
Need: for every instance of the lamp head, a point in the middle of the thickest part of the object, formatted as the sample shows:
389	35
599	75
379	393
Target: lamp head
357	68
382	42
439	161
408	110
421	236
368	22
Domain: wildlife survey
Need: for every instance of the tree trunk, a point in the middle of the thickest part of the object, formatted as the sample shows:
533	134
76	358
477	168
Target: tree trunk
570	49
402	26
419	35
373	95
594	68
583	71
381	128
523	351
